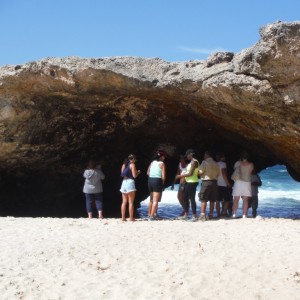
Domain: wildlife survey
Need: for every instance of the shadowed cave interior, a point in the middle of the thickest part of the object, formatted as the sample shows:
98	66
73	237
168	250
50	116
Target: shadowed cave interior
52	185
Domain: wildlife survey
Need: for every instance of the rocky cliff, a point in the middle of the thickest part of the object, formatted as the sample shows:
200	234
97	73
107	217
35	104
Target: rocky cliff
58	112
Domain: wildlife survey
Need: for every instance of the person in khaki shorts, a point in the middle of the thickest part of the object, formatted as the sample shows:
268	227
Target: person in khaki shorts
209	172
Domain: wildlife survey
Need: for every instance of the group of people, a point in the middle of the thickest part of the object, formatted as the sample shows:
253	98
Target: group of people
215	185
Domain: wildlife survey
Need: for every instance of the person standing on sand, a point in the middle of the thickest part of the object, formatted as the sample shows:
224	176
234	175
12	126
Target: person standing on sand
192	180
209	172
129	173
253	200
223	186
242	183
93	189
182	168
156	181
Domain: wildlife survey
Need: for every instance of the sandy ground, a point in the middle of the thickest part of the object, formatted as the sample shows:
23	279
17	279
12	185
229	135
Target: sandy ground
46	258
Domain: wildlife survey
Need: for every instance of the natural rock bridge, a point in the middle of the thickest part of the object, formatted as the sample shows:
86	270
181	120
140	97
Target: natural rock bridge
58	112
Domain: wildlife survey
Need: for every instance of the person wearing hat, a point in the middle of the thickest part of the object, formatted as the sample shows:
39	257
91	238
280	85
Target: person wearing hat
156	181
192	180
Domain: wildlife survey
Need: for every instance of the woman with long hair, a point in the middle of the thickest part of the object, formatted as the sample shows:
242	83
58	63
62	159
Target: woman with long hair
129	173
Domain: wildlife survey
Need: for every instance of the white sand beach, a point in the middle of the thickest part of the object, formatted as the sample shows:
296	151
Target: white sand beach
47	258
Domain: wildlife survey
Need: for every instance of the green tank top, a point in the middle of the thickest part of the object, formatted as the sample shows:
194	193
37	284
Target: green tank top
194	177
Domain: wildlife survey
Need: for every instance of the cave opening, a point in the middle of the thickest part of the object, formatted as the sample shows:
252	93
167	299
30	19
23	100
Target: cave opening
53	195
63	137
58	192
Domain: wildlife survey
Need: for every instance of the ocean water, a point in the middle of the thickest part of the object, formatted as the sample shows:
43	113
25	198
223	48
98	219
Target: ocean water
279	197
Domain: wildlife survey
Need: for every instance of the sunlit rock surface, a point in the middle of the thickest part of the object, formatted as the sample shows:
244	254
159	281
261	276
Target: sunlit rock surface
58	112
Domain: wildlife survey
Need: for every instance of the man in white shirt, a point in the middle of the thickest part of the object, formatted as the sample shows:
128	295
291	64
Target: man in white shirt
224	184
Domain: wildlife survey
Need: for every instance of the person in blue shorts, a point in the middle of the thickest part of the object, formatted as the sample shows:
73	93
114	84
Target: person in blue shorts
128	173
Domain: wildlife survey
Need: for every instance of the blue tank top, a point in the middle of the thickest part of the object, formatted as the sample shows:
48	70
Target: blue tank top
127	172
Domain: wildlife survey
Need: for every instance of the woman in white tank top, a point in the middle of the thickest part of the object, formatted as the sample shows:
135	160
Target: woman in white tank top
182	169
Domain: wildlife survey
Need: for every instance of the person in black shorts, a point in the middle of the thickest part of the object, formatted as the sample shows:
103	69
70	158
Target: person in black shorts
209	171
156	180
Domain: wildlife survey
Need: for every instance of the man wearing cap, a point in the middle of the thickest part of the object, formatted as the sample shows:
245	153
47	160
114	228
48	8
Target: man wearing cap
209	172
192	180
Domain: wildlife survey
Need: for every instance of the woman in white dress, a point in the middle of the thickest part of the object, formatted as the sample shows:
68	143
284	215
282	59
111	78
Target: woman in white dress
242	184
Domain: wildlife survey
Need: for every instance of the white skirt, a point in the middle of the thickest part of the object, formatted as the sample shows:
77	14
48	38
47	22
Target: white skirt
241	188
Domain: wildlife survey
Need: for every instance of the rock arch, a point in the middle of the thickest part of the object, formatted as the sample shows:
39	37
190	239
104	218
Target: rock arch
57	112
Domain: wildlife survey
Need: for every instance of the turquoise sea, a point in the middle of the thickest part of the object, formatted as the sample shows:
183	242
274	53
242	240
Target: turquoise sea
279	197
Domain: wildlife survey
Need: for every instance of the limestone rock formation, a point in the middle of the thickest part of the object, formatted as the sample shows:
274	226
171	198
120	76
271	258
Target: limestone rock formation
57	112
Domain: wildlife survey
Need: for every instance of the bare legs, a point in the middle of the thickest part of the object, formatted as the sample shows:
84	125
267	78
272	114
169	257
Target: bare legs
156	197
245	205
128	198
203	207
236	204
211	208
100	215
151	203
180	196
123	206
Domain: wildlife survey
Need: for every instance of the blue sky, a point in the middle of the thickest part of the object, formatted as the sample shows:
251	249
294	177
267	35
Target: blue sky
173	30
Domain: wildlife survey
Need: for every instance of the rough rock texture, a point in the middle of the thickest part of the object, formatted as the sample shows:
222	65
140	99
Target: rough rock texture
58	112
